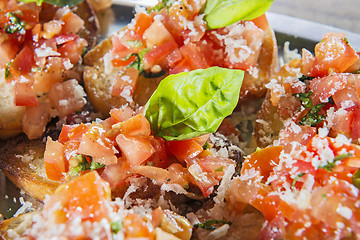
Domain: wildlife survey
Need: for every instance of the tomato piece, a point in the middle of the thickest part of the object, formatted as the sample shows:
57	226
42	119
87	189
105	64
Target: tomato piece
125	84
202	179
86	196
156	55
263	161
137	125
159	157
94	144
216	166
142	22
185	149
191	50
116	174
116	62
261	22
157	34
72	50
72	22
8	50
67	97
121	114
174	57
24	94
72	132
23	62
135	227
135	149
55	164
185	65
35	120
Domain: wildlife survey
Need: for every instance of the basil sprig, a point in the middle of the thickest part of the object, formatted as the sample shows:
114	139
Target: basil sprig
190	104
221	13
59	3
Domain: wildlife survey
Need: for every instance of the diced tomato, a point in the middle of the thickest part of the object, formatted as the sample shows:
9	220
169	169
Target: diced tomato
342	122
72	22
35	120
159	157
355	124
202	179
301	134
8	50
55	164
72	132
157	34
86	197
67	97
116	174
142	22
263	160
325	87
135	126
192	51
185	65
23	62
94	144
158	54
135	228
135	149
44	80
216	166
261	22
183	150
174	57
121	114
24	94
116	62
332	54
73	50
125	83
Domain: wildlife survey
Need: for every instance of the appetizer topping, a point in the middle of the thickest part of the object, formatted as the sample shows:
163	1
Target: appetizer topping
127	144
320	175
38	56
83	209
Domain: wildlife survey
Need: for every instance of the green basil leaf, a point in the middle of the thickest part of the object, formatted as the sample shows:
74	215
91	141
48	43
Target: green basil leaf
59	3
221	13
190	104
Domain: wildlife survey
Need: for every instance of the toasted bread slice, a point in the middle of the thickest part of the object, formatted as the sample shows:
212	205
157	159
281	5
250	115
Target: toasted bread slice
99	74
98	83
11	116
22	162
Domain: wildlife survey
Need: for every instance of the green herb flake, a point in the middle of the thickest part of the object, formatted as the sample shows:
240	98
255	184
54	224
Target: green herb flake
356	178
161	5
96	165
297	178
82	165
211	224
14	24
206	146
313	118
305	99
331	165
116	226
189	104
220	169
304	78
7	71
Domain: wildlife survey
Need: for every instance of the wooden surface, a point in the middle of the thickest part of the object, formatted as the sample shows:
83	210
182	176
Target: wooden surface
343	14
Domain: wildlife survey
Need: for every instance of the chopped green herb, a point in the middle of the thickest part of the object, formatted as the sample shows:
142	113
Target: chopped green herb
304	78
313	118
116	226
7	70
329	167
305	99
96	165
206	146
82	165
356	179
297	178
15	24
211	224
162	4
220	169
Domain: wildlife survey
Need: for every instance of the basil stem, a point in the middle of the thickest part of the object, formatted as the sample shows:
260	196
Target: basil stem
221	13
190	104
